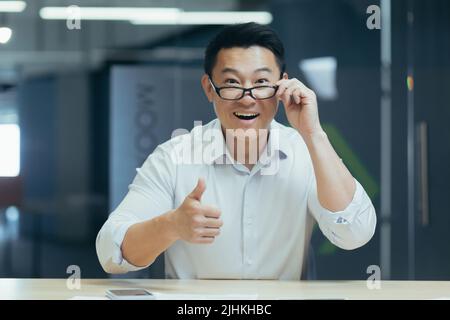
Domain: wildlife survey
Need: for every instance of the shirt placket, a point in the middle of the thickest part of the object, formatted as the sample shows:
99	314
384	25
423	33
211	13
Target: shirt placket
248	229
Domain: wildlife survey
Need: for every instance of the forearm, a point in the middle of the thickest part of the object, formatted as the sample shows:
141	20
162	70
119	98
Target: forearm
335	184
146	240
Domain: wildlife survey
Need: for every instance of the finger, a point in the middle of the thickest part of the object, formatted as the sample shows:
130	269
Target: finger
288	93
300	92
213	223
198	190
297	95
285	91
209	232
205	240
305	92
210	211
282	82
282	87
286	97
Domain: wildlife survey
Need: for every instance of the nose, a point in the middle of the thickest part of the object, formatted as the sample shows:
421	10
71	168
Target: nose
247	100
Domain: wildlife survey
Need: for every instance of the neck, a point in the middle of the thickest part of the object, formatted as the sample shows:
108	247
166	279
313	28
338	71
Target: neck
246	149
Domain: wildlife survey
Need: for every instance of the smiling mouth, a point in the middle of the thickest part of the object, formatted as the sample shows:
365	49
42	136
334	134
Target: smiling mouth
246	116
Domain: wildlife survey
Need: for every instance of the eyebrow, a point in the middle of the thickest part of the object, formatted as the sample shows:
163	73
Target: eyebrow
263	69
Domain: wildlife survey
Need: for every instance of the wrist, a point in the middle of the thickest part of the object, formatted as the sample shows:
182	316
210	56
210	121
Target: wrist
171	225
314	137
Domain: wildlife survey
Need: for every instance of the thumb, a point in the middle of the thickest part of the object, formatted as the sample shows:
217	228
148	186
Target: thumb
199	189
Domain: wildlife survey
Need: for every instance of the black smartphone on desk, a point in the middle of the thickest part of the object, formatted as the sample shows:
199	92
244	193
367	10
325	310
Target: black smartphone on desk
129	294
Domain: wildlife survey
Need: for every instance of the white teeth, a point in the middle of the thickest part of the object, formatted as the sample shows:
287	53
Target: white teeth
246	114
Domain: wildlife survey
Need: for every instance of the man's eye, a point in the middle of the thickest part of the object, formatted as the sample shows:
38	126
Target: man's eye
231	81
260	81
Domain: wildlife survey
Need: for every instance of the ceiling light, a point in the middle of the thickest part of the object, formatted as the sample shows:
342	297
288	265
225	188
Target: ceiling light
158	16
5	34
12	6
108	13
211	18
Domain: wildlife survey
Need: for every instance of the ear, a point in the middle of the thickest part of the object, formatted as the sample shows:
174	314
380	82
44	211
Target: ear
207	88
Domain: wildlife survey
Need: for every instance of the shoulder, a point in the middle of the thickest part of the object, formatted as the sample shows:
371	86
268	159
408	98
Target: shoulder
183	142
289	137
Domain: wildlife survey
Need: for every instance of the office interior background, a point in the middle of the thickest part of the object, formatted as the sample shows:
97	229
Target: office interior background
84	102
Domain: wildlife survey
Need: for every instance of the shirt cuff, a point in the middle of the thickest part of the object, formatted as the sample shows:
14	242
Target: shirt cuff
117	257
347	215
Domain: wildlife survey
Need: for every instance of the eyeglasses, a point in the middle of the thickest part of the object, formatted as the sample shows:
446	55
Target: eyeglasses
237	93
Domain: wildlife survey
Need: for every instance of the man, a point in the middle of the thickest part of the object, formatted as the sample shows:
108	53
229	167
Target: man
229	216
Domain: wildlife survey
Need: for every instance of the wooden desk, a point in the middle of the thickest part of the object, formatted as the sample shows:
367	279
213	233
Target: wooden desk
57	289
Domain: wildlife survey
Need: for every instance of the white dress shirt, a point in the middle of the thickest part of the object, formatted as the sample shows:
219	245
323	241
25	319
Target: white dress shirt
268	212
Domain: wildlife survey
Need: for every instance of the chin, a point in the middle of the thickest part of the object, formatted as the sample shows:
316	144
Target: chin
246	128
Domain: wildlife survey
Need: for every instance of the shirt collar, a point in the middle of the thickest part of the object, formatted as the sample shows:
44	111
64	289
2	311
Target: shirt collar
214	144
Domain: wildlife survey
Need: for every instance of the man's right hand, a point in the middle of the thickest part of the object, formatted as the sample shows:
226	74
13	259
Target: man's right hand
195	222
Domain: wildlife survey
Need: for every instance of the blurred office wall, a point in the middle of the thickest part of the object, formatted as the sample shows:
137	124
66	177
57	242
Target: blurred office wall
319	32
421	148
147	104
72	86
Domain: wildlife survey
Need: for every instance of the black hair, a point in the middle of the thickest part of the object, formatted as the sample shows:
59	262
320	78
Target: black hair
244	35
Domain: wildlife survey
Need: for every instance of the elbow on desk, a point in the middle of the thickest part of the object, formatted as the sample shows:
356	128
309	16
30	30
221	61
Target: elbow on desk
112	268
110	256
106	249
109	265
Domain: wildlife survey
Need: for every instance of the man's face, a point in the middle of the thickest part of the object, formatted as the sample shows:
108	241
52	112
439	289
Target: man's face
246	68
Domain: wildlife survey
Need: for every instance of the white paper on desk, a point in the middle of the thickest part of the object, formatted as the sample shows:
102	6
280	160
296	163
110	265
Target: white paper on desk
196	296
88	298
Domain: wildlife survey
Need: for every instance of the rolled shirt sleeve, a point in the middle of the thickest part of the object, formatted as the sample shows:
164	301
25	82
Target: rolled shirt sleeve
350	228
149	195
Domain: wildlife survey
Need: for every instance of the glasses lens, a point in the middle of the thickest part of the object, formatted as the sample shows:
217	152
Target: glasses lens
263	92
258	93
231	93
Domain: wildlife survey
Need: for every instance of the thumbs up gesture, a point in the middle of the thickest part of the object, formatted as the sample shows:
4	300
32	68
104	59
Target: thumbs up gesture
195	222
